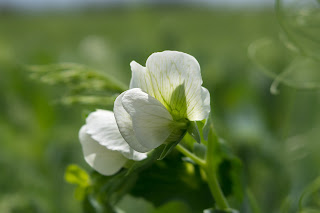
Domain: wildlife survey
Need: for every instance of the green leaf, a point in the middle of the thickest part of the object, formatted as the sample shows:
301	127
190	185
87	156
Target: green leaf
193	130
173	179
130	204
227	166
110	189
80	193
75	175
229	172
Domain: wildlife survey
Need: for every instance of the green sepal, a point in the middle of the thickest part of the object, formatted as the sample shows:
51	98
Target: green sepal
169	147
206	128
193	130
141	165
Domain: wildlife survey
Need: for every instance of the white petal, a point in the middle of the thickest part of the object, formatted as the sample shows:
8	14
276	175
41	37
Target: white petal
102	127
124	123
100	158
174	79
151	121
201	111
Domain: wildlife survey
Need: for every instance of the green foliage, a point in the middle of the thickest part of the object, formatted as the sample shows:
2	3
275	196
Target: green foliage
77	77
85	86
76	175
158	182
130	204
38	140
227	166
294	60
300	22
296	71
170	179
309	200
138	166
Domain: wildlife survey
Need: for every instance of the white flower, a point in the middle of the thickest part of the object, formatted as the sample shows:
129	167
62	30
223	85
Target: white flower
104	148
163	98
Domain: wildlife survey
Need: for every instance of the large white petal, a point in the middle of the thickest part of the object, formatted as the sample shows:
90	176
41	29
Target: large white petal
102	127
103	160
174	79
151	121
124	123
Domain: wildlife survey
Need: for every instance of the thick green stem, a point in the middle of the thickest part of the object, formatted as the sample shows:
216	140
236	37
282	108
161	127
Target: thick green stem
216	191
210	169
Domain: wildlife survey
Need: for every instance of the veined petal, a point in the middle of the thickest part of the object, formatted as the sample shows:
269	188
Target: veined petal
139	78
124	123
174	79
151	121
102	127
201	111
103	160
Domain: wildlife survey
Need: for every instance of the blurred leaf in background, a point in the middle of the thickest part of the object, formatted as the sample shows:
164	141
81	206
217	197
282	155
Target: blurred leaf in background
293	59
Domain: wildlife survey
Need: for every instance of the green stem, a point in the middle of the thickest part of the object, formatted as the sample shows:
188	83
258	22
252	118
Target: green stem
210	170
216	191
190	155
253	202
209	167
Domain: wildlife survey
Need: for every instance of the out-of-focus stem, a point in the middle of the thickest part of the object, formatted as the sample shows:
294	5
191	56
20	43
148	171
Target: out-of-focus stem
210	169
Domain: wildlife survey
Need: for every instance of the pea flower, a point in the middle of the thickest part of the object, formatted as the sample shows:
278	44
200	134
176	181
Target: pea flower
163	100
103	147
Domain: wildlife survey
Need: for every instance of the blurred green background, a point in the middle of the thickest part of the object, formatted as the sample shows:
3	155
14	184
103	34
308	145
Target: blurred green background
275	136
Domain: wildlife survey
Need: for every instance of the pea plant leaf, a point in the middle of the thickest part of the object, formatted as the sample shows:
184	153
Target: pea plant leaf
173	179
